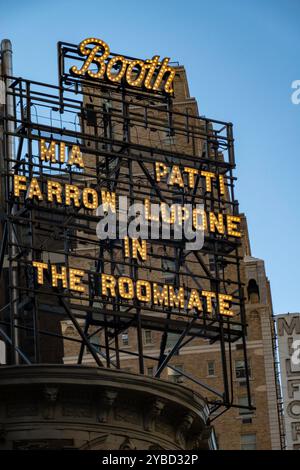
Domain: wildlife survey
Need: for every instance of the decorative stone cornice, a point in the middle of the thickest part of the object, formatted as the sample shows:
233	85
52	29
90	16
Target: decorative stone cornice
43	405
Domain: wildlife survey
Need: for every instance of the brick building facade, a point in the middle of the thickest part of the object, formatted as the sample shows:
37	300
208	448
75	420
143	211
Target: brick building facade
237	428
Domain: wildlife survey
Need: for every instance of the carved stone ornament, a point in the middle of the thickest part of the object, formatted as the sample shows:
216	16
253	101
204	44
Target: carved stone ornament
183	428
153	411
50	394
127	445
105	404
200	442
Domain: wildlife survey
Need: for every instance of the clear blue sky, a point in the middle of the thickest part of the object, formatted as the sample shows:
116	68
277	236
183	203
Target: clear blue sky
241	57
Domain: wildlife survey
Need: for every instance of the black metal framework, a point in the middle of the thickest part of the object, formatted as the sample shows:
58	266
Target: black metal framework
122	132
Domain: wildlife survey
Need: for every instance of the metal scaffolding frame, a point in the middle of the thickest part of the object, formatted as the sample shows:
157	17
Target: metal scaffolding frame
108	131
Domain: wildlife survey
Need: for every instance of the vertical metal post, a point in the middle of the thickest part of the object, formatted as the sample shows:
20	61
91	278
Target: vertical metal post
7	70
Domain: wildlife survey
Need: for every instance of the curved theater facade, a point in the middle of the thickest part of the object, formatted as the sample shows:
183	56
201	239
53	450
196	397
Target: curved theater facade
79	407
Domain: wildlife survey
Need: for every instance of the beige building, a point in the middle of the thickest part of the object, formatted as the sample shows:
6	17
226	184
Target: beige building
237	428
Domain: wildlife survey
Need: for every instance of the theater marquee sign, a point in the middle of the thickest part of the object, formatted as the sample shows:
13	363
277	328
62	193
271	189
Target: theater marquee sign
120	214
53	192
152	74
288	330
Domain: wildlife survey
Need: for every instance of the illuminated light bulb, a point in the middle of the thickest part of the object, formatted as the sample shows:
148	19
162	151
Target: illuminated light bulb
176	177
140	285
72	193
165	68
209	296
126	247
161	297
125	286
208	175
108	200
232	228
139	80
168	85
18	186
139	249
92	57
168	215
183	214
151	65
59	276
34	190
224	306
194	301
148	216
221	185
108	285
116	77
75	276
47	153
216	223
192	172
161	170
75	157
87	192
54	189
62	152
202	225
176	300
40	271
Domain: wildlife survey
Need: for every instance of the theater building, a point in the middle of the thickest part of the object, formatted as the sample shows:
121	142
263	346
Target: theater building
127	343
237	428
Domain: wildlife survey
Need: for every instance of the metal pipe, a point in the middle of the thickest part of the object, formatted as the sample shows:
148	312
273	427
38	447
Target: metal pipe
7	71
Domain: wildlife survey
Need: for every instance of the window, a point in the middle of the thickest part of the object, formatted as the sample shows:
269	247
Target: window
169	140
172	339
211	368
243	401
150	371
175	375
125	340
240	369
148	336
253	291
242	383
248	442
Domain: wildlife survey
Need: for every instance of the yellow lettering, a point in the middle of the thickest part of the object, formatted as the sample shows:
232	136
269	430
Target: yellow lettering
18	186
108	283
75	276
108	200
40	270
232	228
160	297
146	286
176	300
54	189
56	276
92	58
34	190
194	301
224	307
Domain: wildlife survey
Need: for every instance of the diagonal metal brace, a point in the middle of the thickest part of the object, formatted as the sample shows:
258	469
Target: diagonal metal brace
175	348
